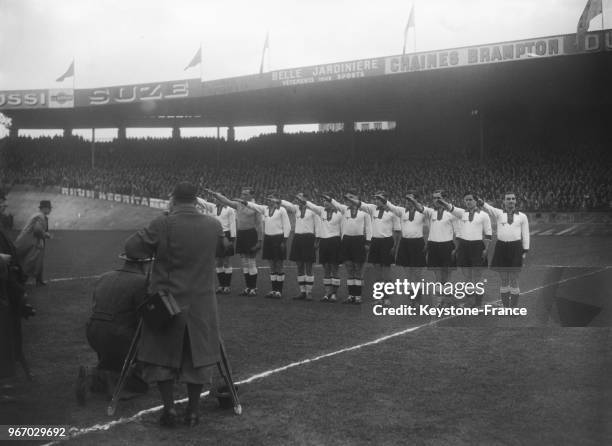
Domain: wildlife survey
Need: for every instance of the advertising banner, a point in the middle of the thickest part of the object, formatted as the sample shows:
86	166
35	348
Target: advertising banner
17	99
129	94
502	52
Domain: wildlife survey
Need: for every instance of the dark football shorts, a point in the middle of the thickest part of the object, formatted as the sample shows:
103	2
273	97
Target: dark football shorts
352	248
303	248
380	251
272	249
225	252
246	239
329	250
411	253
440	254
469	254
507	256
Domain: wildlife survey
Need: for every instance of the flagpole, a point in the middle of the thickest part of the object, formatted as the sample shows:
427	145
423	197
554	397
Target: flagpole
201	74
603	33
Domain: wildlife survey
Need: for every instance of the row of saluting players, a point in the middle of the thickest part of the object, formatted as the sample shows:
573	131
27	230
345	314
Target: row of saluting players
352	232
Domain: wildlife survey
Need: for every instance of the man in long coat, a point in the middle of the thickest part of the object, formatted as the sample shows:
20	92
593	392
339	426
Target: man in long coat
30	243
183	243
13	306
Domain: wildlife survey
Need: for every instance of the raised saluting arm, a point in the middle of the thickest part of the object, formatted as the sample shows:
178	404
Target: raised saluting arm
223	199
418	206
398	211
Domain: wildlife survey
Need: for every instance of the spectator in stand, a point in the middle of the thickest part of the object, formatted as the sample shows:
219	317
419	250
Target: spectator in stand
570	177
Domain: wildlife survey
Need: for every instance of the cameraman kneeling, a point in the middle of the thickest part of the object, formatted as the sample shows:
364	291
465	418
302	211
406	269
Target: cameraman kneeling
112	326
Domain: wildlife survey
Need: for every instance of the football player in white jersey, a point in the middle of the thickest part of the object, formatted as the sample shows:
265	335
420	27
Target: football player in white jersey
277	228
440	243
305	236
511	246
356	237
329	246
249	235
472	247
385	237
411	251
227	217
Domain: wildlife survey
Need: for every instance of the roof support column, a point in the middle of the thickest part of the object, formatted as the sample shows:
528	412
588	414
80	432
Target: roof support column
176	132
231	134
67	132
93	148
280	129
121	134
349	132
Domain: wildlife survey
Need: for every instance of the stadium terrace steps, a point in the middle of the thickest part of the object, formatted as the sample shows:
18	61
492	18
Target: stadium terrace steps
78	213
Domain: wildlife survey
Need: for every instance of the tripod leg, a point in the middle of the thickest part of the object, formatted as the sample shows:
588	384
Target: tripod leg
229	381
125	371
26	368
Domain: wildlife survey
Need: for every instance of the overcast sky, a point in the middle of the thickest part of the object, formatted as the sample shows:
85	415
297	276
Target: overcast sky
118	42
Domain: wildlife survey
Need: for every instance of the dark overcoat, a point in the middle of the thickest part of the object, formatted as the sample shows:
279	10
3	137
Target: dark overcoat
12	300
184	245
30	244
112	324
7	354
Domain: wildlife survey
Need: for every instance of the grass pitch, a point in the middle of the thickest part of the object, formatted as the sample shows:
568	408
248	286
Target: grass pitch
456	381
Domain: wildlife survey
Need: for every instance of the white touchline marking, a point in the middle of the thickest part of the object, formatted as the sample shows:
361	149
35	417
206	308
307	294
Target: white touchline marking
548	232
568	266
66	279
77	432
565	231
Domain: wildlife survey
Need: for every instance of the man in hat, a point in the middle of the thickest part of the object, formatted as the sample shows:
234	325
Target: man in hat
184	244
6	220
385	237
31	242
249	235
13	307
112	326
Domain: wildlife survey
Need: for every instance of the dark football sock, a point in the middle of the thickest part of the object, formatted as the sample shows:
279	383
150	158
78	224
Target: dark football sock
280	281
514	299
505	297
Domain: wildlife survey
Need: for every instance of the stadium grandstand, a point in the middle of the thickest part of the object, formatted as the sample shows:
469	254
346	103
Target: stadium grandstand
530	115
563	176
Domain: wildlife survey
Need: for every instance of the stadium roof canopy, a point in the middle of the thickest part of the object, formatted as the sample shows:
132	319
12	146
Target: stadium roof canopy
556	71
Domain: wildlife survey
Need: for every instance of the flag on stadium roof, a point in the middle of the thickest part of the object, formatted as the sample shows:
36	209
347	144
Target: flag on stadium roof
263	54
592	9
409	25
197	59
69	73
